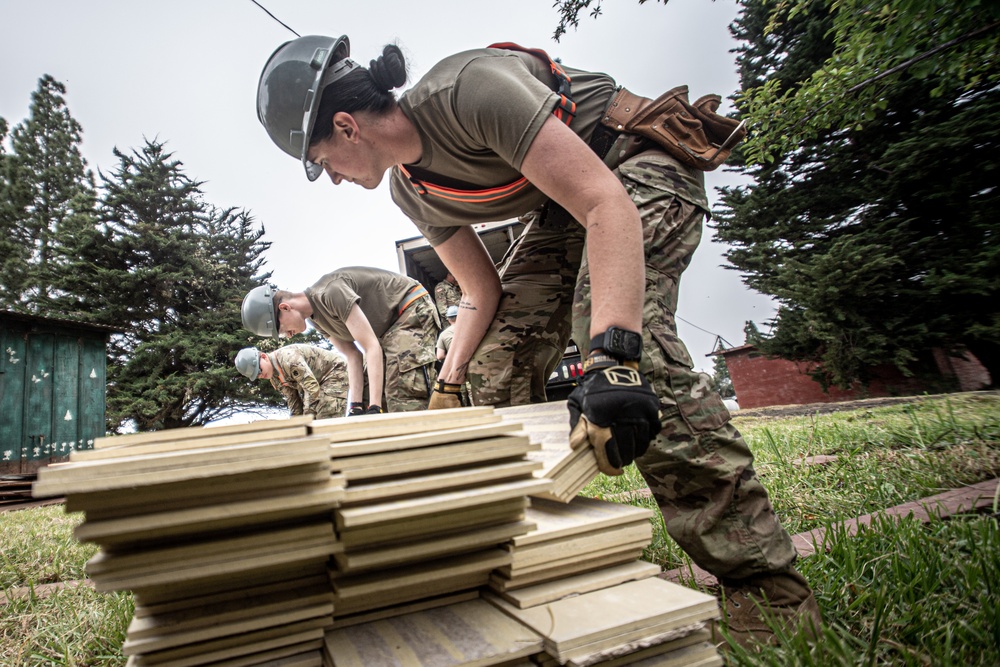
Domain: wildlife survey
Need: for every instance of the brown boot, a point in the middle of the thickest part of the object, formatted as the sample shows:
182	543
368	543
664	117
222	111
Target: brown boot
784	598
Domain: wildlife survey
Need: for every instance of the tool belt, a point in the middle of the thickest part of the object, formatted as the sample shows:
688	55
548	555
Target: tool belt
693	133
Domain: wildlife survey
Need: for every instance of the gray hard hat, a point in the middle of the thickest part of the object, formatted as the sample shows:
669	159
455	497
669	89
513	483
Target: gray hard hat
258	312
451	312
248	362
290	88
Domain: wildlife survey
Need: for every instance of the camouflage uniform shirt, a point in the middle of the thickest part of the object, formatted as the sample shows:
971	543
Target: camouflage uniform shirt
312	380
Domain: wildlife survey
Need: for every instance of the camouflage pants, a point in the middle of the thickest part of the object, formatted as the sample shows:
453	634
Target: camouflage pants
408	347
331	405
531	330
699	468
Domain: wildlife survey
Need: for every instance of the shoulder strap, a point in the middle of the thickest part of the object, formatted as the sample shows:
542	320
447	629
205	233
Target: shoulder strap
564	111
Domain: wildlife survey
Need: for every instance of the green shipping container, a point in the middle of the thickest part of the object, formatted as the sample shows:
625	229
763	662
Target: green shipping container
53	381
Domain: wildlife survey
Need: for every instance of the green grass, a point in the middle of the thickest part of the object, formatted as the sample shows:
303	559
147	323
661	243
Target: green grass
898	593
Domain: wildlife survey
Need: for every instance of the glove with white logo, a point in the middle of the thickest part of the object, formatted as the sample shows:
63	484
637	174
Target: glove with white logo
616	412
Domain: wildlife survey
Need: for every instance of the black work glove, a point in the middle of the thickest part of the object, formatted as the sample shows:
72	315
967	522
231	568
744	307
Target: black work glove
446	395
375	410
616	412
355	409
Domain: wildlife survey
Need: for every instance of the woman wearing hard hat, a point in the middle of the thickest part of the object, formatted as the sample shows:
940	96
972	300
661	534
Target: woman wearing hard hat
503	132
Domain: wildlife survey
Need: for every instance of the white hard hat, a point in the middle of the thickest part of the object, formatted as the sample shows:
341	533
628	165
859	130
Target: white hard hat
248	362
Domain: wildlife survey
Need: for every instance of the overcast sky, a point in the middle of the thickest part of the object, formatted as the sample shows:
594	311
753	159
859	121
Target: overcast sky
185	72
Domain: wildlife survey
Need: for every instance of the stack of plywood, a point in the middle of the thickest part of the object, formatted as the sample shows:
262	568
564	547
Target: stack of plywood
431	497
222	534
572	538
570	470
646	620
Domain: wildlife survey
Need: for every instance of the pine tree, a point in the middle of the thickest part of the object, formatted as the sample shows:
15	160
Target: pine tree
878	242
172	276
46	183
721	380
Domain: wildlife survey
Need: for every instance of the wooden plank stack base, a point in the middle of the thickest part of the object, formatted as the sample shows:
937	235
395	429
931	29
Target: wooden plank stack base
374	541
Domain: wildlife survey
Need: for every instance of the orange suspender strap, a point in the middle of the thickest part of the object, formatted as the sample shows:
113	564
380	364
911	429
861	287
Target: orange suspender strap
567	107
565	111
281	375
415	293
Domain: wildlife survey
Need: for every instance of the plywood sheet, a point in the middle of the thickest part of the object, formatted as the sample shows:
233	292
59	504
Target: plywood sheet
286	656
266	616
693	650
547	424
350	517
437	546
184	594
199	492
303	633
613	612
503	581
173	434
417	440
582	515
418	484
581	545
390	464
422	604
342	429
205	441
566	564
470	634
395	531
315	584
631	657
164	525
235	545
382	588
225	612
532	596
58	480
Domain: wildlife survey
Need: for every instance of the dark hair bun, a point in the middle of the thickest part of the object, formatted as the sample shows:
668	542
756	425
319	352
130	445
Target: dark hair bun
389	70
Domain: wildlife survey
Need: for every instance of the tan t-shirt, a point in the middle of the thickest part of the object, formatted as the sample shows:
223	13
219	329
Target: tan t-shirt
379	294
477	113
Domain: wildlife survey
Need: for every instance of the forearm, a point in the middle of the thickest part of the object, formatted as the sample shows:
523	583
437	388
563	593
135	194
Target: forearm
375	363
475	313
616	260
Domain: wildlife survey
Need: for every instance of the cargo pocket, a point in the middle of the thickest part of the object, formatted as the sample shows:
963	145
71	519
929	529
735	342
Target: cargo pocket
691	392
415	374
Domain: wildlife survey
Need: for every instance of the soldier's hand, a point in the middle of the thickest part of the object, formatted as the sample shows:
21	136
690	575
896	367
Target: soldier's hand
355	409
446	395
616	412
375	410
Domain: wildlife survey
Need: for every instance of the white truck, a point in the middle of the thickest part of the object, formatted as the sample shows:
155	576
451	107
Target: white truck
417	259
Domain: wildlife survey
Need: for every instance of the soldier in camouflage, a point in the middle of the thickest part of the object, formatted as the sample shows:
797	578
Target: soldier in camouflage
313	381
447	293
503	132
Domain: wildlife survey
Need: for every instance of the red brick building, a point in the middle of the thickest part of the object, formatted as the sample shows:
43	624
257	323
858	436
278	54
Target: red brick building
761	381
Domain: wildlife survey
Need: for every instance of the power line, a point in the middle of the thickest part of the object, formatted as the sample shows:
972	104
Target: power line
274	17
718	337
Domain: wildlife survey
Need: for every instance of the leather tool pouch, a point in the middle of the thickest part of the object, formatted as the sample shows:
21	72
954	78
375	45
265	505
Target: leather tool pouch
693	133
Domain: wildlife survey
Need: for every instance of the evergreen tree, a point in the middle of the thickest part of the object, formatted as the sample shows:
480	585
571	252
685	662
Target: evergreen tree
172	275
879	242
45	183
13	251
721	380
